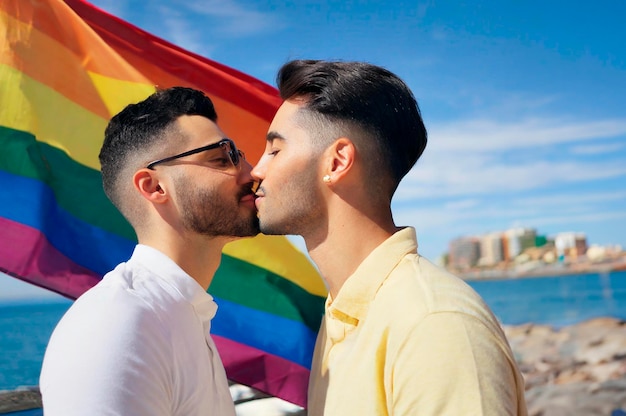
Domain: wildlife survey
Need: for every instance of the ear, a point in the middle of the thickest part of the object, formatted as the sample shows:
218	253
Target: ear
146	181
342	154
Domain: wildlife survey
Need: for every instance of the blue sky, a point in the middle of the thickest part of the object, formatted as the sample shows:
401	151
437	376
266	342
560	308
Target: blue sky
523	101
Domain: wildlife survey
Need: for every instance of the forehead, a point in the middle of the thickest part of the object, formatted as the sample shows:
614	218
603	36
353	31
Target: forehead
199	130
288	123
287	116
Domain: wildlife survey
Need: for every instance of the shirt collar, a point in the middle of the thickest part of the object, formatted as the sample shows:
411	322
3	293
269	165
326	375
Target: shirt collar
166	270
360	288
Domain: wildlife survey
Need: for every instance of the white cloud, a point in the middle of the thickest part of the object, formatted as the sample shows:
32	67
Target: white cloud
571	199
462	204
530	210
517	102
596	149
471	175
234	19
475	157
489	135
198	25
438	223
579	218
182	32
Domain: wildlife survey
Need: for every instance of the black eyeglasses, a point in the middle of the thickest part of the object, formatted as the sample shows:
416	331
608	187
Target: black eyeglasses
228	146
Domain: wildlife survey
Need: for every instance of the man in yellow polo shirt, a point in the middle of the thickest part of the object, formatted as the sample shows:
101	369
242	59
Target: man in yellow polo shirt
400	336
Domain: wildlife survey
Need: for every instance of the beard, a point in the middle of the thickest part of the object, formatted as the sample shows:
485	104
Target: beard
209	212
295	208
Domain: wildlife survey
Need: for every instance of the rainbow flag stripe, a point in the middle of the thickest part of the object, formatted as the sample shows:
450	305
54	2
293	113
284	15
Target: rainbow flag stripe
65	69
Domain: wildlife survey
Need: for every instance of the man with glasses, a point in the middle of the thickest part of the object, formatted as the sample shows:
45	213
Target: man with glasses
400	336
138	342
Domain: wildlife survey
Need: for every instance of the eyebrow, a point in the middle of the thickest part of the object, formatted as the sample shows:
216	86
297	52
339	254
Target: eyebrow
273	135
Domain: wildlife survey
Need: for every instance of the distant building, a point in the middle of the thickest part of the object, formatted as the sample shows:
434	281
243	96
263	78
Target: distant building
570	244
518	240
464	253
491	249
596	253
541	240
521	247
544	252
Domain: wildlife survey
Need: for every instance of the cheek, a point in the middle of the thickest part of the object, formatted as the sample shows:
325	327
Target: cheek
301	177
288	170
276	169
284	171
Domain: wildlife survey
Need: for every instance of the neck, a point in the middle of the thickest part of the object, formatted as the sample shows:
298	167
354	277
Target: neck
350	238
198	256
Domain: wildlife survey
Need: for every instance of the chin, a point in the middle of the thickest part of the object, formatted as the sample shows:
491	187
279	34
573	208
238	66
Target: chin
268	228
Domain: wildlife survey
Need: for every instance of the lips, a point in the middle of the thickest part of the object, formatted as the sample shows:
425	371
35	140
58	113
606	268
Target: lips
248	197
260	194
248	200
257	201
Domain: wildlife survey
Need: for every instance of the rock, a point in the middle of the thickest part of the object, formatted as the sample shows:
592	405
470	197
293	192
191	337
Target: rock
576	399
21	399
576	370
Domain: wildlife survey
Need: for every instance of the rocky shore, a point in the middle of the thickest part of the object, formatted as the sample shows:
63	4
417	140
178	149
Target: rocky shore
18	400
578	370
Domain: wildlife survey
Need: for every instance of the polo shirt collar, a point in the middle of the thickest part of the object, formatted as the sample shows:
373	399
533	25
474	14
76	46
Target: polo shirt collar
171	274
353	300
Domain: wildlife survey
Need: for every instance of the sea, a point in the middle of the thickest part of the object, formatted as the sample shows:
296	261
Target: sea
26	326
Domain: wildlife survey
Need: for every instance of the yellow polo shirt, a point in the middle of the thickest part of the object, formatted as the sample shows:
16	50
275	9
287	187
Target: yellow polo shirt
405	337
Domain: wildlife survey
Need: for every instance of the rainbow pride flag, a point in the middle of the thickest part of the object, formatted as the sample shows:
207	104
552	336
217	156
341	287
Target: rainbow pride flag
65	69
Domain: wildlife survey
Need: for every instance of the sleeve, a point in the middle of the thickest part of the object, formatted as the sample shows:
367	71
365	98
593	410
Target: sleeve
109	358
452	364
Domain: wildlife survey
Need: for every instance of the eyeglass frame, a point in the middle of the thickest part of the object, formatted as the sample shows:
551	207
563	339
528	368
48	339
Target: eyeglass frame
235	155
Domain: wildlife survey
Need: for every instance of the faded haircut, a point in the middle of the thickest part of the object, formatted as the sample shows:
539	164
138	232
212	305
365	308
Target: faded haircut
137	129
364	102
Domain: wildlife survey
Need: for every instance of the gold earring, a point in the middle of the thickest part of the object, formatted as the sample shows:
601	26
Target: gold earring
326	178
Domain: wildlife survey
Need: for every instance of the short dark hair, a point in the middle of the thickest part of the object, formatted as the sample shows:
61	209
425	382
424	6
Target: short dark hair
140	126
367	97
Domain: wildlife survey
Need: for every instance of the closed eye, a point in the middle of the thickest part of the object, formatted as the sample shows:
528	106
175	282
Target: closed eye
219	162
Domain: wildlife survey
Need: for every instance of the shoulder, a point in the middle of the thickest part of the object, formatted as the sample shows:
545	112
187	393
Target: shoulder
417	288
419	282
125	305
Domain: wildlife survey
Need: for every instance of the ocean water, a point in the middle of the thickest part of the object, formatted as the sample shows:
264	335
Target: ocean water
556	301
26	327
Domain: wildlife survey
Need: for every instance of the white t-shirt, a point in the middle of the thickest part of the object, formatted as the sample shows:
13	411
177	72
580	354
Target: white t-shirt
137	343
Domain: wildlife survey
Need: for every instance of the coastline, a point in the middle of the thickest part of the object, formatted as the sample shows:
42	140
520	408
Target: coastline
573	369
540	269
577	370
23	398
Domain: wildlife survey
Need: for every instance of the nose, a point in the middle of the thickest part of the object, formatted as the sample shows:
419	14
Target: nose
258	172
244	171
